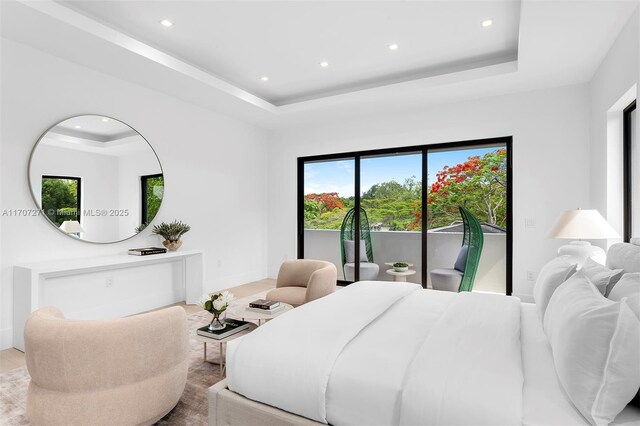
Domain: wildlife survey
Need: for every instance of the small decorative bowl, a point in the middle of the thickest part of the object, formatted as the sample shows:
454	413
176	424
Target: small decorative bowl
401	268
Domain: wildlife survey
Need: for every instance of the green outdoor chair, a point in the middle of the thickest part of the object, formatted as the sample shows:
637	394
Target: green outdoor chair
368	269
462	276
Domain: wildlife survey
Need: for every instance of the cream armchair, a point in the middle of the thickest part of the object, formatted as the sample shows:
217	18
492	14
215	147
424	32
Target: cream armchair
303	280
127	371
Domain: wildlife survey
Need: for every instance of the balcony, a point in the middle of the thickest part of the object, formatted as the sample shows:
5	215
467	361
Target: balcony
393	246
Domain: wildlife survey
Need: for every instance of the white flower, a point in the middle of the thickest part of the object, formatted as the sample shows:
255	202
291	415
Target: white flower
203	299
219	304
227	296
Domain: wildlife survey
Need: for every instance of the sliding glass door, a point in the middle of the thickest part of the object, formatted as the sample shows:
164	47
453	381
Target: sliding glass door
391	201
328	195
393	214
475	178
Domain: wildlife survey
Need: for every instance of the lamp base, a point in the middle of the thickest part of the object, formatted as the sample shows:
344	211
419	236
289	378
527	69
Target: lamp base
579	251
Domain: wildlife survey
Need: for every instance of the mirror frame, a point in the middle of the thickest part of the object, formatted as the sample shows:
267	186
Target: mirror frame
39	207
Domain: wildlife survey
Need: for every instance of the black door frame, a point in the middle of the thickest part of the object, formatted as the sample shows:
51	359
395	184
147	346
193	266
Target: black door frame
424	150
78	194
627	170
144	210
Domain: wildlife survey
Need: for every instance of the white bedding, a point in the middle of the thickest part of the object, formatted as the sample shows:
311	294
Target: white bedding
392	354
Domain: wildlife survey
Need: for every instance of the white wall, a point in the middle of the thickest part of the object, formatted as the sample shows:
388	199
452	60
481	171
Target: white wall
98	187
214	168
394	246
550	130
615	77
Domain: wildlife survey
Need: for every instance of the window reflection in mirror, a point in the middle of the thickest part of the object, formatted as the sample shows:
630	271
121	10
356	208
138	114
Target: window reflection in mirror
152	192
61	198
98	174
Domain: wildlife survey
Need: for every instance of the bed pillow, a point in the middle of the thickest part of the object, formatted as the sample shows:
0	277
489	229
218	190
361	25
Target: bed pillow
461	261
350	251
601	276
554	273
629	287
596	346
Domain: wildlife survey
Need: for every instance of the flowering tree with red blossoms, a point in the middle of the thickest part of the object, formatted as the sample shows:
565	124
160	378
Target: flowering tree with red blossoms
479	184
327	201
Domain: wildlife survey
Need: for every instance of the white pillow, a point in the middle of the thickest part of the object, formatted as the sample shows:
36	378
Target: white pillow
554	273
629	287
596	348
350	251
601	276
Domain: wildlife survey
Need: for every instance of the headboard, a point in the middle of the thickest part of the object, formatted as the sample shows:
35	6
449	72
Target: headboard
624	256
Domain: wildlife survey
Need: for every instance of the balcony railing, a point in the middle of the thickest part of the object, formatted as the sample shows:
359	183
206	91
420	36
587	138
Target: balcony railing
393	246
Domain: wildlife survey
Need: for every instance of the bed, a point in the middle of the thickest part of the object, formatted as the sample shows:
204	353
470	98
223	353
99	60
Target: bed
392	353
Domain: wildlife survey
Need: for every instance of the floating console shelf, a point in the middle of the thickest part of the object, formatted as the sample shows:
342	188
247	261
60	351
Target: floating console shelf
34	285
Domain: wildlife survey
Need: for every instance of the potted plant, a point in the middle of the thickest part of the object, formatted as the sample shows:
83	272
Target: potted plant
171	232
401	267
216	304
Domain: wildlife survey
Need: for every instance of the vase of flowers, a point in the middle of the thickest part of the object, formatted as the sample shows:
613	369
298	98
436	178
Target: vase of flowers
216	304
171	232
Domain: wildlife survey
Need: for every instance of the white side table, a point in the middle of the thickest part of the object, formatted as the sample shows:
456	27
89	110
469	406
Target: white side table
222	358
400	276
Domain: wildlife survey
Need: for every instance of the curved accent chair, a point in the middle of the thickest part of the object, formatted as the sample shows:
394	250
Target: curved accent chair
368	269
125	371
462	276
303	280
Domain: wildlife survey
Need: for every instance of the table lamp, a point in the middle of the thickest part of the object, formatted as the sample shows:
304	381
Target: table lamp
72	227
582	225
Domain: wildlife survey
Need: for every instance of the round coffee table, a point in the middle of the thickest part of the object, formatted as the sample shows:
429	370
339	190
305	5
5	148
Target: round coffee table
242	312
400	276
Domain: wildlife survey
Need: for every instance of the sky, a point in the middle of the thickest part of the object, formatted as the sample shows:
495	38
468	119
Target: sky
338	175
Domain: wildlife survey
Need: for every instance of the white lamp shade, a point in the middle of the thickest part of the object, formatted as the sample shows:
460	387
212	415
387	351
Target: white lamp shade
582	225
71	227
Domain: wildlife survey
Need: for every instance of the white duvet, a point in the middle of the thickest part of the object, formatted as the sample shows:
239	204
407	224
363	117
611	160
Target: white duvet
387	353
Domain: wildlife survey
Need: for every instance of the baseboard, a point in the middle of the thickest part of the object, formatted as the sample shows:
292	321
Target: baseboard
6	338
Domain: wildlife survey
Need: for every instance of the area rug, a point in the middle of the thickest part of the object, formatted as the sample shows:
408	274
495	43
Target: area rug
192	409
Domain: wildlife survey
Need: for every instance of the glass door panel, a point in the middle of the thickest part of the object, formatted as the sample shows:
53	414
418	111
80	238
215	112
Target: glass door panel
474	178
329	188
390	217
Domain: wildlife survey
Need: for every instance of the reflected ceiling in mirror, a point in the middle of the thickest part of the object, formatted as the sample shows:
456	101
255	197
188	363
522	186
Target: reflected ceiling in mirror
96	179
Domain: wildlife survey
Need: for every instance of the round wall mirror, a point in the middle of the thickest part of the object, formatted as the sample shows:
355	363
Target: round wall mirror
96	179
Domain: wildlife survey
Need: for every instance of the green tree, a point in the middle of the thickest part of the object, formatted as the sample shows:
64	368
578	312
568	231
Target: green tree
155	192
479	184
60	199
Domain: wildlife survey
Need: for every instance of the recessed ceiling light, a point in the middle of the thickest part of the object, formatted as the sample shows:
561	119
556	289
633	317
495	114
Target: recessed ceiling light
324	64
264	78
105	119
166	23
78	127
393	46
487	23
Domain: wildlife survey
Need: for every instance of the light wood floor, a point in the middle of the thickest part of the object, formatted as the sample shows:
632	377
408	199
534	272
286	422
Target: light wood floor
13	358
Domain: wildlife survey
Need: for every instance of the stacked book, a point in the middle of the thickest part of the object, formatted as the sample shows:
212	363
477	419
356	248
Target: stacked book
231	327
265	306
147	251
